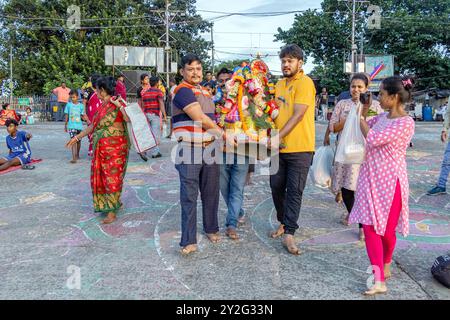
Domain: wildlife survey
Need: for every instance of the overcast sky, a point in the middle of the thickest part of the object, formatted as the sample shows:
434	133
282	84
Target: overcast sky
237	37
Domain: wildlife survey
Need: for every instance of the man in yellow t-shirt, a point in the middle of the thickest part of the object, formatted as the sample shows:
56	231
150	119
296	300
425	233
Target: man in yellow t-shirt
295	94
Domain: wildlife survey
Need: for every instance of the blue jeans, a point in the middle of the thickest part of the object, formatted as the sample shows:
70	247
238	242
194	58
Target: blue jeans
155	124
232	182
445	168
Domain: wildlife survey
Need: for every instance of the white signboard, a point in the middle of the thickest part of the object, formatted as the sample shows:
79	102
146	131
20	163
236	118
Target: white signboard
134	56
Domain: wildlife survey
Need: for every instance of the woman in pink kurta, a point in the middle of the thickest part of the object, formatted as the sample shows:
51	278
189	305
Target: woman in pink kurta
345	176
382	192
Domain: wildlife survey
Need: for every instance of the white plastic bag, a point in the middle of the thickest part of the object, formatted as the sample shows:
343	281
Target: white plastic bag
321	168
351	146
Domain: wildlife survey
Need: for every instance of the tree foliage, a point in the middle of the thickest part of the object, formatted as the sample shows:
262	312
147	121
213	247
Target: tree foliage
416	32
230	64
47	52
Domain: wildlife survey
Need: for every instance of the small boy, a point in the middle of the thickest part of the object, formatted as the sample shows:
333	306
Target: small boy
74	112
19	148
29	118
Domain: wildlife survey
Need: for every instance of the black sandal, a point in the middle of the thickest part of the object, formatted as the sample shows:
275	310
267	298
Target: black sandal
28	167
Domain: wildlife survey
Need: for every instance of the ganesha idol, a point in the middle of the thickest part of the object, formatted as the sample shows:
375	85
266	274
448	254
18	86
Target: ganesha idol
248	106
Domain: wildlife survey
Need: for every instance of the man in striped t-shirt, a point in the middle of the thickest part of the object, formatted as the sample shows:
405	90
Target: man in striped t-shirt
196	133
153	107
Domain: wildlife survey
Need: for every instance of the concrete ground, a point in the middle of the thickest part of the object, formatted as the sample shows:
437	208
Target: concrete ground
52	246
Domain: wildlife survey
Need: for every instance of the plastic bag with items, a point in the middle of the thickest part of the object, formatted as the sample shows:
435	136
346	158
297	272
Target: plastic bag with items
322	166
352	145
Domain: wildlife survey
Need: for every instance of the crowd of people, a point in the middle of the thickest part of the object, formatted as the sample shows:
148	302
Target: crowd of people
375	193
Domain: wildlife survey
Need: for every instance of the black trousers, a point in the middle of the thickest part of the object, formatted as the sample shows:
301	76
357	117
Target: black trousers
287	187
194	177
348	196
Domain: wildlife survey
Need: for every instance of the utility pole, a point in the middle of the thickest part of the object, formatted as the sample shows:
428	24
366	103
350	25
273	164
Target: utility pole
354	48
212	48
11	84
168	18
167	48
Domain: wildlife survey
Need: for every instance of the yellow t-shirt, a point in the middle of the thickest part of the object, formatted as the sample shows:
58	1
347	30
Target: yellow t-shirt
300	90
162	88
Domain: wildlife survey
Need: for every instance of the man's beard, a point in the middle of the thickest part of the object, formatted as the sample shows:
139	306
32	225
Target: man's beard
289	74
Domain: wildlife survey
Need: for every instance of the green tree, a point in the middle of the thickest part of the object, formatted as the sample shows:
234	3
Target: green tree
414	31
230	64
47	52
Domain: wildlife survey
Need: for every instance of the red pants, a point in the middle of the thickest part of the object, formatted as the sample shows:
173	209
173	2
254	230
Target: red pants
381	248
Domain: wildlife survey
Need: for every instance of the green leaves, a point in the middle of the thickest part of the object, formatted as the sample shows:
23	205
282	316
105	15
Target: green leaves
416	32
45	51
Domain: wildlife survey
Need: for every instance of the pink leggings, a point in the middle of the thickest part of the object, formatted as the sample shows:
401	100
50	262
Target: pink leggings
381	248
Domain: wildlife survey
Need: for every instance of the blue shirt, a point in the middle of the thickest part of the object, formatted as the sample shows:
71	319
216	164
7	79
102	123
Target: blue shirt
19	144
74	111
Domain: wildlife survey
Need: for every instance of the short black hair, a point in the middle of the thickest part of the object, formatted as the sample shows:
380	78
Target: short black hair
11	121
120	75
293	51
398	85
208	71
5	105
94	79
154	81
224	71
143	76
108	84
72	92
360	76
28	108
189	58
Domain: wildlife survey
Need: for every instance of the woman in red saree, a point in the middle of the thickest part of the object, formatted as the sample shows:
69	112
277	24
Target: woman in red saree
110	147
7	113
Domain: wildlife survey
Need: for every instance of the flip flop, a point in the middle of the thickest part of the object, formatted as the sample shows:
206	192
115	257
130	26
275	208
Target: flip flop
28	167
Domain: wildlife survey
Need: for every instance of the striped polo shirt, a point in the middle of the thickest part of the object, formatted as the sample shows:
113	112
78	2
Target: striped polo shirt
184	128
150	100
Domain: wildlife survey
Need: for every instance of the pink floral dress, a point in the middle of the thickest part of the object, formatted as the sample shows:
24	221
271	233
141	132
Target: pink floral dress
346	175
385	163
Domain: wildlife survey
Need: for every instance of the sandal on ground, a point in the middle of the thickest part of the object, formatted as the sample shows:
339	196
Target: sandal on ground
213	237
376	289
73	161
278	233
241	220
291	247
190	248
28	167
232	234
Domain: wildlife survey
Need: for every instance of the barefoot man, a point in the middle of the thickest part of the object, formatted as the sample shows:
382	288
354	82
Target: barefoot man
195	130
295	95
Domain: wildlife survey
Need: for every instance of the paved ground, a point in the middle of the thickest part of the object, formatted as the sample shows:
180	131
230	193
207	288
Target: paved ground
48	230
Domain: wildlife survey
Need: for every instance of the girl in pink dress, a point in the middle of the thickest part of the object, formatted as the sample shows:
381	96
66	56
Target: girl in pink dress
381	199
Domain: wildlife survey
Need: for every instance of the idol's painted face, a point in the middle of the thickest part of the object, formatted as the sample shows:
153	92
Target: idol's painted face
193	73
